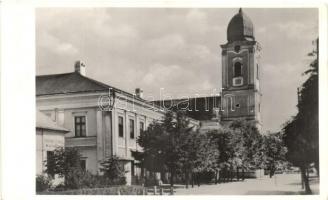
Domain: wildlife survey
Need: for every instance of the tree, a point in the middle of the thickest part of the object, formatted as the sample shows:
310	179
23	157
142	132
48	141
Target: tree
301	134
274	152
113	170
298	149
171	146
247	143
223	144
63	161
66	163
153	141
198	154
239	146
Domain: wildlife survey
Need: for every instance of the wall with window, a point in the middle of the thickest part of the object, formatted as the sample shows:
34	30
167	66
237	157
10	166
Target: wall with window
129	120
89	156
236	65
46	140
81	122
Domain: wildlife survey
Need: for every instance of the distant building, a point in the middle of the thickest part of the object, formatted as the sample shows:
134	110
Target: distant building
74	101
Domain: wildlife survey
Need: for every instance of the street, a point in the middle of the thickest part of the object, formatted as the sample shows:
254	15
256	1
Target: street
281	184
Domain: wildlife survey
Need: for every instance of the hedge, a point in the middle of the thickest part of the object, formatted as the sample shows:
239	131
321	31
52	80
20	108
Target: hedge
114	190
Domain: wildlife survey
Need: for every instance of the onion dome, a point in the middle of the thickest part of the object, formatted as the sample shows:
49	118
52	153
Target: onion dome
240	28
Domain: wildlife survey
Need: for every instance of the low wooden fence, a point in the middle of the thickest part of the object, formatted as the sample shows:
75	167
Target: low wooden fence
164	189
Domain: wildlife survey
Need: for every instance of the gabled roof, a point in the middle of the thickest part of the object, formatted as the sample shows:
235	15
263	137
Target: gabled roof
44	122
74	82
67	83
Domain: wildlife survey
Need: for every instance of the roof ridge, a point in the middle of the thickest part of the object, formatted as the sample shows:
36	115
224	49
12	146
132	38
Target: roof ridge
44	75
104	84
188	98
93	80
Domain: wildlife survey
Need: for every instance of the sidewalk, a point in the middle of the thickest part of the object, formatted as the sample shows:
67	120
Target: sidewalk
281	184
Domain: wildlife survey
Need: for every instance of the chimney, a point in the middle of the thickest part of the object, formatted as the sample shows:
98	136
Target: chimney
139	92
79	67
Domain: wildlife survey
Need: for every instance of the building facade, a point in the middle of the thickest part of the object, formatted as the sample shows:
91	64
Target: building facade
80	104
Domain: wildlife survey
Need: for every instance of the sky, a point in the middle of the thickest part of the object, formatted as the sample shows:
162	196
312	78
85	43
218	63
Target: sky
177	49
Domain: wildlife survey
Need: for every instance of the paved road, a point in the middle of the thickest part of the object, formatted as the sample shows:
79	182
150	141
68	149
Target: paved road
282	184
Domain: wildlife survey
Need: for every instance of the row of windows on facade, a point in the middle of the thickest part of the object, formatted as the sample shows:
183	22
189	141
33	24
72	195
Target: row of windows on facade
238	70
80	127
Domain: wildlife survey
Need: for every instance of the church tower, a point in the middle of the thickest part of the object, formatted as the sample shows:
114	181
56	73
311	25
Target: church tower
241	93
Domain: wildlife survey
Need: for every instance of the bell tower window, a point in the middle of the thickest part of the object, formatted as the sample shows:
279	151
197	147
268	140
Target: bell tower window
237	69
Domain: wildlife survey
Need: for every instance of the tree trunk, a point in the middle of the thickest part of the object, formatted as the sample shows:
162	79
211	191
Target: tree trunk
306	180
197	177
162	178
316	166
243	173
229	175
271	171
192	179
187	178
216	177
224	172
237	173
155	180
302	181
172	178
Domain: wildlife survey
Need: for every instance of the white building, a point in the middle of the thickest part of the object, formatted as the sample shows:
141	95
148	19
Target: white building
73	99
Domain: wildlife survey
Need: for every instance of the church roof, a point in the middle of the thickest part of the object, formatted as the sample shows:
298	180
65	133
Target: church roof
240	28
44	122
199	108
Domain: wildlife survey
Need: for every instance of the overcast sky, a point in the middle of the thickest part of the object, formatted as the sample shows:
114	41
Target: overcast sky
176	49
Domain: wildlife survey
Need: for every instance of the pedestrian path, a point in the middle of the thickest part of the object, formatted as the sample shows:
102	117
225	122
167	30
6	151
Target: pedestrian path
282	184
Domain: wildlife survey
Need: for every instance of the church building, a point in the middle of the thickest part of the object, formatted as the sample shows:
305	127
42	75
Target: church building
240	96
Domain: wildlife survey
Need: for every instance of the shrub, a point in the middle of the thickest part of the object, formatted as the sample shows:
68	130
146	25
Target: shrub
42	183
114	173
64	161
76	179
59	187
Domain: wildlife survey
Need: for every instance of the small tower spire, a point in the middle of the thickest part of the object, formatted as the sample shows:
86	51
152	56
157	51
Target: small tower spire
240	11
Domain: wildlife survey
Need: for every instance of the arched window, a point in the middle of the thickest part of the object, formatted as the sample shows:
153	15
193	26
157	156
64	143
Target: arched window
237	69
